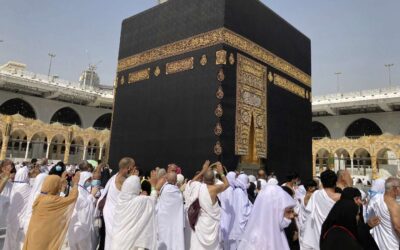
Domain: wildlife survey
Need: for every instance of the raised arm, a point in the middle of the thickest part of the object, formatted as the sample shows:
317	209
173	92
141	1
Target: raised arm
198	177
221	188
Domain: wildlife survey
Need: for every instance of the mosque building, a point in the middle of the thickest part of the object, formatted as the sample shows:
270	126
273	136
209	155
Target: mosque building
45	116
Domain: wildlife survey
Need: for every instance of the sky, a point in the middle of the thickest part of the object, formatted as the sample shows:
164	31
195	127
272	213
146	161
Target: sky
354	37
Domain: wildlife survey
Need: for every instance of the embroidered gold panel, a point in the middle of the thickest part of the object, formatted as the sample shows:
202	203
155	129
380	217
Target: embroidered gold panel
211	38
179	66
220	57
139	75
251	106
290	86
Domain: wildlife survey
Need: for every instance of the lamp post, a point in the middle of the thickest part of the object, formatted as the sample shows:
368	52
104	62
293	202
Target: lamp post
337	80
390	77
51	55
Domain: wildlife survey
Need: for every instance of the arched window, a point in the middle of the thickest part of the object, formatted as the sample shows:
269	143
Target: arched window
103	122
18	106
66	116
362	127
319	130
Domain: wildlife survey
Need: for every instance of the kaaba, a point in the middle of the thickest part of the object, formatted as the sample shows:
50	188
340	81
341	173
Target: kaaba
225	80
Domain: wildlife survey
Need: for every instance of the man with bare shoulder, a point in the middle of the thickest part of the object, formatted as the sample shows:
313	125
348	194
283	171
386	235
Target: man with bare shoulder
111	192
206	235
387	233
318	208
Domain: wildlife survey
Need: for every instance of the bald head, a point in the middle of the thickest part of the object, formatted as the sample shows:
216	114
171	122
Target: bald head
208	177
171	178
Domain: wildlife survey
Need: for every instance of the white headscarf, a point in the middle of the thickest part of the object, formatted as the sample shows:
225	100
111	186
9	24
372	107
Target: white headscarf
378	186
242	182
134	219
81	224
231	177
241	206
272	181
16	214
35	191
269	207
252	178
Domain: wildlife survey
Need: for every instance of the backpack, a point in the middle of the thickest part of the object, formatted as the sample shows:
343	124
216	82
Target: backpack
193	213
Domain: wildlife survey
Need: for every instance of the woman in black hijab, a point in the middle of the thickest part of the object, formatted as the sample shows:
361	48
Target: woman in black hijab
364	236
339	230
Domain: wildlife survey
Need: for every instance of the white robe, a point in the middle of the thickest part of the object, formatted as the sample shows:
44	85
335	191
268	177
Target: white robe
134	220
263	231
16	214
112	193
81	226
207	229
190	194
227	211
35	191
384	234
5	203
318	208
241	210
170	219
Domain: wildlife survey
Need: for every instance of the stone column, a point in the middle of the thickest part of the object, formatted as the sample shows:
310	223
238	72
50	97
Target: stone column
107	154
3	153
66	153
27	149
84	152
314	170
58	154
48	150
352	165
375	174
101	152
6	138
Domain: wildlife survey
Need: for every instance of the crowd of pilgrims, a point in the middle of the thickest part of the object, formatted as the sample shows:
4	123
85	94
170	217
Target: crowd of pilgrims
88	207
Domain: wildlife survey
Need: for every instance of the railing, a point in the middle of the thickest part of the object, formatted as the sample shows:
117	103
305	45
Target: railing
363	93
52	80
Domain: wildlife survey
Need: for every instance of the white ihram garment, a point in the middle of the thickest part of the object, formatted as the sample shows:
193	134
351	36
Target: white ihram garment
190	194
16	215
207	229
263	231
384	234
170	218
35	192
318	208
112	193
134	219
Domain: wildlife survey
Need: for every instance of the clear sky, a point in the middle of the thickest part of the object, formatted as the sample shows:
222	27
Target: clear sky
355	37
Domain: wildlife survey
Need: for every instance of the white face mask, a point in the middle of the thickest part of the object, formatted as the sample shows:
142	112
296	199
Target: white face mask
285	223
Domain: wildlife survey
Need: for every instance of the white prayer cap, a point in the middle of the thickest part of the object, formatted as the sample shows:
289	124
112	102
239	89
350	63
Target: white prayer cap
180	178
252	178
273	181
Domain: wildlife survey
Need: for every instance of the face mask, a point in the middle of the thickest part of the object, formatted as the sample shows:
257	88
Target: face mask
96	183
58	168
87	184
285	223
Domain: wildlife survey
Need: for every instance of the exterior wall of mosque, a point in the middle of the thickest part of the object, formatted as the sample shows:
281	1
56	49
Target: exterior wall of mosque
45	108
389	122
